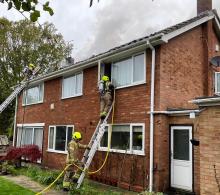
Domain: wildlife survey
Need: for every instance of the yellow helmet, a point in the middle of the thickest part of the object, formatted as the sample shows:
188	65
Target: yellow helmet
105	78
77	136
31	65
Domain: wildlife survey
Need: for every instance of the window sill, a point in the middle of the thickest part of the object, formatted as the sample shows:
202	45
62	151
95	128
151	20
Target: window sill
33	103
131	85
135	152
63	98
57	151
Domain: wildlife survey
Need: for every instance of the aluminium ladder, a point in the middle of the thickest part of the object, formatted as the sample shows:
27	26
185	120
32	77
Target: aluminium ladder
94	143
16	92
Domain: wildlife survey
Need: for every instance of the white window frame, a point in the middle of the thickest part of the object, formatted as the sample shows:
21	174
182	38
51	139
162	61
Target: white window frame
54	139
33	126
24	98
130	150
216	83
132	82
75	95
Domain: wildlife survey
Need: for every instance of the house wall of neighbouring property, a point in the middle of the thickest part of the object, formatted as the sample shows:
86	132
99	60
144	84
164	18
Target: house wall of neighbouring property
209	133
132	105
184	73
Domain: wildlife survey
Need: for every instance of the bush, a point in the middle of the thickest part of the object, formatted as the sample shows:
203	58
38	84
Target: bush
30	152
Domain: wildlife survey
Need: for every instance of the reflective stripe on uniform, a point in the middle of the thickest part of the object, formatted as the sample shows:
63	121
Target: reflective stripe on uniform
66	184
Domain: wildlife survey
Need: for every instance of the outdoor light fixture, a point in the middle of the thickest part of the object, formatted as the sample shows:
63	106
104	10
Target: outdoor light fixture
194	142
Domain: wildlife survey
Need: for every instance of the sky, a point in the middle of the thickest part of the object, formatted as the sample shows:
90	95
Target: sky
110	23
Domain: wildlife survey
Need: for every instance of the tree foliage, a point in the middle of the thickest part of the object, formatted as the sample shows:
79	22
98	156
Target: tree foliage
22	43
30	6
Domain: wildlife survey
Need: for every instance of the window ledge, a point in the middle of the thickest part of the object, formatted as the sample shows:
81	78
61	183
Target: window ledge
135	152
41	102
57	151
63	98
131	85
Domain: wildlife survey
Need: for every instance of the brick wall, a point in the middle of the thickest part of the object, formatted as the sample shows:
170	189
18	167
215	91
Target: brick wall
132	105
209	125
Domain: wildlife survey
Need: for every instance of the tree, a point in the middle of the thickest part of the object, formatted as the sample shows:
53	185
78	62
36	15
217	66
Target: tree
21	43
29	6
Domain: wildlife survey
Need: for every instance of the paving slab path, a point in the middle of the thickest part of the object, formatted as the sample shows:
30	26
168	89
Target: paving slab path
26	182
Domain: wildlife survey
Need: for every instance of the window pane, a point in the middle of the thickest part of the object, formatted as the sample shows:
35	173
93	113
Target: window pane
19	132
181	144
79	84
38	137
32	95
41	93
120	137
60	142
138	74
68	87
27	135
218	82
122	73
51	137
104	140
69	135
137	137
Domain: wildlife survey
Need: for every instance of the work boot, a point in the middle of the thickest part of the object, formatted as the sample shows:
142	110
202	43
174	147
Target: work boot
66	186
103	115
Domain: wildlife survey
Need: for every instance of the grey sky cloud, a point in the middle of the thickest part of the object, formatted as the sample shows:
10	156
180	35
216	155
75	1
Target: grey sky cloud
111	23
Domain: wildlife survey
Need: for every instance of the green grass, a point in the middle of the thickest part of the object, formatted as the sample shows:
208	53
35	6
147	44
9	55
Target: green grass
10	188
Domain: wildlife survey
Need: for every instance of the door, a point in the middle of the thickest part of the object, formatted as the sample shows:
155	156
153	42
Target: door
181	157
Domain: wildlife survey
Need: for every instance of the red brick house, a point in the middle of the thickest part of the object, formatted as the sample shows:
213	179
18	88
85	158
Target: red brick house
156	77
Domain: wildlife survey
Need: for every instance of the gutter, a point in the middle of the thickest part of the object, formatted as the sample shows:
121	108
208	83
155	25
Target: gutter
156	39
152	116
177	112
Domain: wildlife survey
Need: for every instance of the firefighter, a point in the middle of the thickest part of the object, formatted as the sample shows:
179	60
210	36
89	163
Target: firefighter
106	90
72	157
28	70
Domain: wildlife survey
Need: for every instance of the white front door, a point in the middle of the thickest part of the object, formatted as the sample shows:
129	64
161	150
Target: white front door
181	157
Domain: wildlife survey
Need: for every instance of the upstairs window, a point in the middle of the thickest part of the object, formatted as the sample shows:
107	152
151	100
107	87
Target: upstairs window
127	138
130	71
33	95
217	83
72	86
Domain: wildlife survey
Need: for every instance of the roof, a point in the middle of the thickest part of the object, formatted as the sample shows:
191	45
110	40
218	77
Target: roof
159	37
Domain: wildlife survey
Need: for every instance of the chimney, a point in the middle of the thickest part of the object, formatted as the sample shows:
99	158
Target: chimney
203	5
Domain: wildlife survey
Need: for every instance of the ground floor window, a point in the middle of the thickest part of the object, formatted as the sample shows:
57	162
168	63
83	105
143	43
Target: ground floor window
30	135
127	138
59	137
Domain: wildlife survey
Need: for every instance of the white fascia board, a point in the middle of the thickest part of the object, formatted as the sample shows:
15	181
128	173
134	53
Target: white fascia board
31	125
186	28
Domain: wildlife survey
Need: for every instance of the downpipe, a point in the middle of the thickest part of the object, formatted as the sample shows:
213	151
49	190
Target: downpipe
152	117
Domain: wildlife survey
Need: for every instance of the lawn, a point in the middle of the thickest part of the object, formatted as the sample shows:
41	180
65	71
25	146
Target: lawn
9	188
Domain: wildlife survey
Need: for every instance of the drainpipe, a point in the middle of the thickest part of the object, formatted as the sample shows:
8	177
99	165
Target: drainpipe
152	117
16	109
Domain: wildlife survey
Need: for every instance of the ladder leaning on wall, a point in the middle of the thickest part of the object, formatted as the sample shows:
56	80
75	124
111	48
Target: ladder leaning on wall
18	89
93	144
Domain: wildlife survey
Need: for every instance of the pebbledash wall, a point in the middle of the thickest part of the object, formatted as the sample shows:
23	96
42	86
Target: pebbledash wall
182	73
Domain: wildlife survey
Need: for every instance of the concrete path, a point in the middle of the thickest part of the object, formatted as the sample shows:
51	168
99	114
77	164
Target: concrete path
26	182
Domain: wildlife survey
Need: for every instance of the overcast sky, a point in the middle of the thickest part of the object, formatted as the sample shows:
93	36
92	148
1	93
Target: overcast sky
111	23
